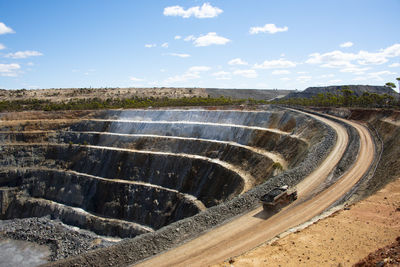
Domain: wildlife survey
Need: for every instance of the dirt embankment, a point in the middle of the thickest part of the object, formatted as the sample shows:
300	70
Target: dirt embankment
389	255
385	124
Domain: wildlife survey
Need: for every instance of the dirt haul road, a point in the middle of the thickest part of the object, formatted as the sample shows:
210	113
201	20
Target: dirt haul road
252	229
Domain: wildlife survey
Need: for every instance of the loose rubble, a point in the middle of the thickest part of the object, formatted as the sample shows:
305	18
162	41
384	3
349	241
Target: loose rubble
61	239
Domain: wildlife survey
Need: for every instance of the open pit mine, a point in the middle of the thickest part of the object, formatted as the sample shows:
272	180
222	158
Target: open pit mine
133	183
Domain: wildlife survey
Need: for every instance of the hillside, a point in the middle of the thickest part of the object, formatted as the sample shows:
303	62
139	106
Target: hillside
66	94
357	89
248	93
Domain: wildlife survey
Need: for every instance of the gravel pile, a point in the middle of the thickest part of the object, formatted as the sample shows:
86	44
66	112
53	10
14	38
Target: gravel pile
62	240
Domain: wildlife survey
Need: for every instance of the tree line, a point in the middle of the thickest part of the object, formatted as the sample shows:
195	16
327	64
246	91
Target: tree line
136	102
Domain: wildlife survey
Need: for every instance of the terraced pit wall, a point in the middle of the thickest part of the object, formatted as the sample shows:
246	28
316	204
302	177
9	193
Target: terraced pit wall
385	128
125	173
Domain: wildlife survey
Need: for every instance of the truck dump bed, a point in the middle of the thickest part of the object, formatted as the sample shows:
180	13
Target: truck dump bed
278	198
273	195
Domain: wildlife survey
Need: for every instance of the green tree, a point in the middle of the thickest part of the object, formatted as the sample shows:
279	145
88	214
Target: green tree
347	96
391	85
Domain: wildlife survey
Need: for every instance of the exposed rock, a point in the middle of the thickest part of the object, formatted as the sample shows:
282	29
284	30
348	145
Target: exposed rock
63	241
120	184
357	89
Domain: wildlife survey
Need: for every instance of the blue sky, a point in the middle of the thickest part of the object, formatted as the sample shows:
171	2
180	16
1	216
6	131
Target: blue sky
218	44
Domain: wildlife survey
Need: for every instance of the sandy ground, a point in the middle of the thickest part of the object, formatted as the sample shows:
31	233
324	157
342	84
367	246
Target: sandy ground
343	238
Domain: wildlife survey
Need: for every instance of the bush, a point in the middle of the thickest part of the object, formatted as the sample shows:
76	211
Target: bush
277	166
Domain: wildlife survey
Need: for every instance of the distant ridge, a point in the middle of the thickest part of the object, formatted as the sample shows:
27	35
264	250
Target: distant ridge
258	94
357	89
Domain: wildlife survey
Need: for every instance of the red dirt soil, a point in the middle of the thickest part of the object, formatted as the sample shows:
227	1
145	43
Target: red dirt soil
387	256
341	239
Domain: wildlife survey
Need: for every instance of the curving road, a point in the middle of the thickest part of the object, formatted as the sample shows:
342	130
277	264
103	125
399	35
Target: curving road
252	229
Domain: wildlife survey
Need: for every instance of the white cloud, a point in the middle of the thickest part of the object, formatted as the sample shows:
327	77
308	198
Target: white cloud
179	55
9	70
355	70
2	46
280	72
136	79
302	72
237	61
377	75
182	78
246	73
304	78
199	69
274	64
339	59
360	78
222	75
394	65
5	29
270	28
338	64
201	12
210	38
374	76
324	76
30	64
24	54
177	37
346	44
332	59
392	51
165	45
191	74
150	45
367	58
336	81
189	38
285	79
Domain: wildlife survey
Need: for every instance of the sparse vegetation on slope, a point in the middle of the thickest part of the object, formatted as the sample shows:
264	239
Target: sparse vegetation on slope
85	104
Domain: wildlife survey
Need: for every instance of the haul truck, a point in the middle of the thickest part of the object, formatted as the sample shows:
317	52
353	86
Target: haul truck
278	198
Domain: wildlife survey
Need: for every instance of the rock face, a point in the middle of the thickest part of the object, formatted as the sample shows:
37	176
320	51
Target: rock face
357	89
125	173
